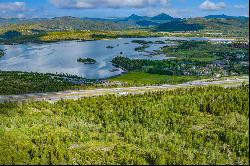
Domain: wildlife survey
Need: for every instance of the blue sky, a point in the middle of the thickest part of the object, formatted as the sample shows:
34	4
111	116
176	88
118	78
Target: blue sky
121	8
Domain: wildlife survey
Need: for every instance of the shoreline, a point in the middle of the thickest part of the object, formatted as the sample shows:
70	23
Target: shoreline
37	41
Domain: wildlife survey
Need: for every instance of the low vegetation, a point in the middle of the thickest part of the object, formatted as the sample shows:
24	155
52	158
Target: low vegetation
207	126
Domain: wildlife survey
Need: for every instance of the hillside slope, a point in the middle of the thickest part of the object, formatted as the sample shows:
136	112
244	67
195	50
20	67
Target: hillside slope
185	126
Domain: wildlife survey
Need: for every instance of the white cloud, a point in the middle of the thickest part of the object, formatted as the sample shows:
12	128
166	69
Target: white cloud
89	4
13	9
209	5
13	6
239	6
21	15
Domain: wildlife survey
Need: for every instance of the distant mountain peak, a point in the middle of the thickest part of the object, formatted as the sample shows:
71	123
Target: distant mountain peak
163	16
135	17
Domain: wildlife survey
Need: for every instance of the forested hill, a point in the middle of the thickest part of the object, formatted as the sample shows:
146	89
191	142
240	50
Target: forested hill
179	26
64	24
238	26
225	17
6	21
198	126
74	23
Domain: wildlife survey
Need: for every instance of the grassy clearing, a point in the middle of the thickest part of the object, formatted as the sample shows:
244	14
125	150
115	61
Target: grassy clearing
142	78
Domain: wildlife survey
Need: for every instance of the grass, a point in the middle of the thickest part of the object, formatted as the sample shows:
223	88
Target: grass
142	78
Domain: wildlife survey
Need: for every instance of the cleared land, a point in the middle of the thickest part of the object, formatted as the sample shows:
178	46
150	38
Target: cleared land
142	78
53	97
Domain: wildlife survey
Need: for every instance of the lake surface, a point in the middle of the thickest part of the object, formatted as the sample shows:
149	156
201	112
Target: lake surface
61	57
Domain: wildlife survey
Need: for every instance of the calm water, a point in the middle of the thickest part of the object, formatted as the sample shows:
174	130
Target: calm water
61	57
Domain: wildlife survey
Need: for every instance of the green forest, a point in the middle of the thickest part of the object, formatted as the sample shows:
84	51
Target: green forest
15	82
206	125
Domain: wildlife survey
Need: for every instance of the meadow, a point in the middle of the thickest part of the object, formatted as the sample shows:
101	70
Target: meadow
142	78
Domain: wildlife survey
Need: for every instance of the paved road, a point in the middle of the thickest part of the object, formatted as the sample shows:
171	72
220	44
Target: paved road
53	97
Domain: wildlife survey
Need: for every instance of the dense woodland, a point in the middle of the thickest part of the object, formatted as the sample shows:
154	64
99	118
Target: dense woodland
13	82
207	125
179	26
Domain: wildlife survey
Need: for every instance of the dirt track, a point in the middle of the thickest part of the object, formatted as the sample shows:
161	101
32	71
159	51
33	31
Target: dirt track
53	97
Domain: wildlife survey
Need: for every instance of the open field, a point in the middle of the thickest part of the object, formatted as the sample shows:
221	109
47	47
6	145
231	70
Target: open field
141	78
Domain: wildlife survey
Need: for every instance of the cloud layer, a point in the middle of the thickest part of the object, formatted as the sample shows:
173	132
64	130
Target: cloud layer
13	6
209	5
12	9
91	4
240	6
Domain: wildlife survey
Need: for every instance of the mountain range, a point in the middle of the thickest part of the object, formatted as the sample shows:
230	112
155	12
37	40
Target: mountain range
133	20
223	16
161	22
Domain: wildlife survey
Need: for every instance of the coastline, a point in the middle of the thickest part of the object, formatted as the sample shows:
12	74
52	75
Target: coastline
167	35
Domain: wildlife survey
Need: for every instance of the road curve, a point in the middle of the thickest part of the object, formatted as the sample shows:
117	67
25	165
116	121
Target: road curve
76	94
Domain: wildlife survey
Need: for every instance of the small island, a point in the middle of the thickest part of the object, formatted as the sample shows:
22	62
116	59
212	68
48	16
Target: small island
159	42
1	53
110	47
86	60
